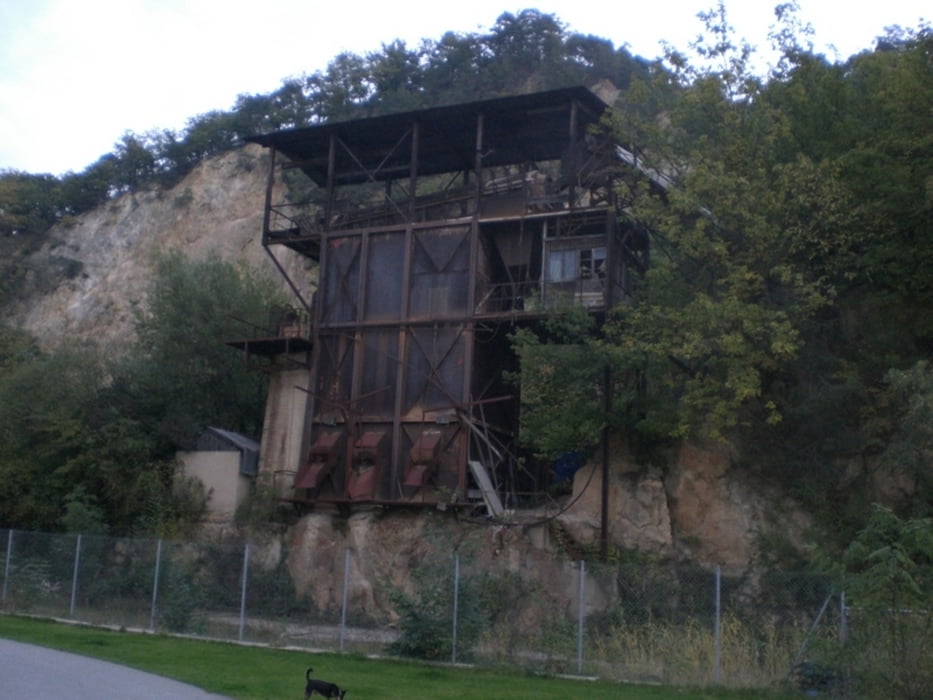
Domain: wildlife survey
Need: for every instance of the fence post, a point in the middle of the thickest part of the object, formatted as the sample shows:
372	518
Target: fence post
155	587
74	577
580	615
717	626
843	620
6	566
453	652
243	591
343	603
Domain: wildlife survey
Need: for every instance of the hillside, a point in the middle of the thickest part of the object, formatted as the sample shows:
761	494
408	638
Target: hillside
89	278
783	328
85	283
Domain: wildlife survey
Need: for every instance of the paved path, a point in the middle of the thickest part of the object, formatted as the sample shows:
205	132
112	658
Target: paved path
29	672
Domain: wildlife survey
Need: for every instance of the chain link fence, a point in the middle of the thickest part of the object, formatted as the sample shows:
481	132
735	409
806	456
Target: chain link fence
669	624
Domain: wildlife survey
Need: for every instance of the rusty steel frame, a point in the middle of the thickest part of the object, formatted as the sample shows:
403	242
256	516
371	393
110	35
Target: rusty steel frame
347	283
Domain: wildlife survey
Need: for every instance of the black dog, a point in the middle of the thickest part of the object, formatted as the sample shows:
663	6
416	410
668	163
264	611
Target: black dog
328	690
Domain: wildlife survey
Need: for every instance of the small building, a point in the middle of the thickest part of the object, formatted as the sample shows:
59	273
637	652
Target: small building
227	464
435	233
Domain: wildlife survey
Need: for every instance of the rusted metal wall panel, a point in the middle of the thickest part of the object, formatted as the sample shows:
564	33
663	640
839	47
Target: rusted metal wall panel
379	380
334	376
385	259
437	231
340	279
440	274
435	371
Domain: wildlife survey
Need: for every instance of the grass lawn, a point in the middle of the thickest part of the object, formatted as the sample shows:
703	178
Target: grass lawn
263	673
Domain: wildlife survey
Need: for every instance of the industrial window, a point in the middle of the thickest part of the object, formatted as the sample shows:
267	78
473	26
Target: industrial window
575	264
593	263
562	265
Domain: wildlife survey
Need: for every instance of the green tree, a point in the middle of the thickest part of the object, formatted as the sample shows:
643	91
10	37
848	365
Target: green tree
16	348
887	574
88	441
561	379
181	373
865	122
397	76
285	108
524	46
134	164
858	224
718	316
72	459
342	90
788	276
907	456
426	615
453	68
29	204
43	402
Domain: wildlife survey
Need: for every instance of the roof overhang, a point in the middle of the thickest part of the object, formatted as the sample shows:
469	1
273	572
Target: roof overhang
521	128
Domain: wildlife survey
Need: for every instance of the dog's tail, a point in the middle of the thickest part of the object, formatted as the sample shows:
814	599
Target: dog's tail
308	674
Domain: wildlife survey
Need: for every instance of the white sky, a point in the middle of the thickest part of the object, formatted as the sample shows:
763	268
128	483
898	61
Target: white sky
75	75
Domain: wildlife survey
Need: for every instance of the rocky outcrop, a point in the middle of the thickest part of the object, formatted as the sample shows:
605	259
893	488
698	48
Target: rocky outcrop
387	549
639	518
696	509
716	515
87	281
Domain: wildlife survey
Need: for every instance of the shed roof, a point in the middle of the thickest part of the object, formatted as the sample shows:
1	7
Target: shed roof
234	440
516	129
220	440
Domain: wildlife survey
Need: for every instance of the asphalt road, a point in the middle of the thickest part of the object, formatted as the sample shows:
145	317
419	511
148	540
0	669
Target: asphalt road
29	672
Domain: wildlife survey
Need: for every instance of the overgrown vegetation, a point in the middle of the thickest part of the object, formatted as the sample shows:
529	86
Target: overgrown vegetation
425	616
787	309
88	442
887	574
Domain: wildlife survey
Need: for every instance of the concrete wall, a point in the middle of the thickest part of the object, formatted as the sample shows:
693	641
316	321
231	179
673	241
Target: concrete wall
282	449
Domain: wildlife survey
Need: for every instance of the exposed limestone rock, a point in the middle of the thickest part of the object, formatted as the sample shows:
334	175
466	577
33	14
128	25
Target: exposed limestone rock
89	278
698	478
315	561
716	513
638	517
386	547
698	509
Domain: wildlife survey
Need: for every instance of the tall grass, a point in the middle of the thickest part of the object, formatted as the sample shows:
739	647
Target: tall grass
682	653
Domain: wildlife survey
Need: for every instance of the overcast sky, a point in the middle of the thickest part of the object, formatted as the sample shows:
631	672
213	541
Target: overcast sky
75	75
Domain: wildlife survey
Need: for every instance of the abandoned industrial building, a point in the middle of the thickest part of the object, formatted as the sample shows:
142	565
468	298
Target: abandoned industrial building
435	234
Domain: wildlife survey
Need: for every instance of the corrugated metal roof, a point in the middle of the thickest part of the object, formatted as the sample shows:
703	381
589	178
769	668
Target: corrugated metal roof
218	439
519	128
236	440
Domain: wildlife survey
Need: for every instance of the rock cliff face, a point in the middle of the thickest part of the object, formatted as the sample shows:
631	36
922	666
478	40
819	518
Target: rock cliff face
695	509
698	512
86	281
